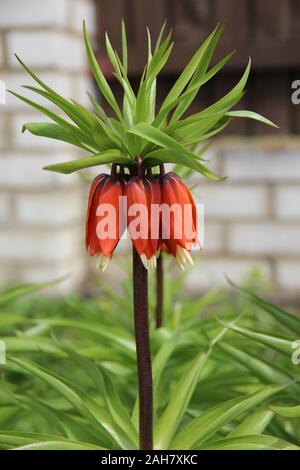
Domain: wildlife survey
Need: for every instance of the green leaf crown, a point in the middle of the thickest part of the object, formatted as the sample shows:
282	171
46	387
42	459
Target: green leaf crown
136	128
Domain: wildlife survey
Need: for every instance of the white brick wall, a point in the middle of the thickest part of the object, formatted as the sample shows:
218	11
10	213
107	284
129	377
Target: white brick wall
55	208
264	239
4	208
61	82
225	200
46	49
83	9
47	245
83	85
259	164
7	275
211	272
287	200
20	171
213	238
27	140
288	274
41	213
73	274
1	51
2	131
33	13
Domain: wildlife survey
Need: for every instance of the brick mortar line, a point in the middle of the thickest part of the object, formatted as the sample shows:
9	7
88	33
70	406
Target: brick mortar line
43	229
16	225
248	181
68	31
269	144
245	257
5	50
76	73
45	191
250	220
232	184
42	189
261	222
61	72
240	255
62	191
26	264
225	238
16	150
36	151
77	250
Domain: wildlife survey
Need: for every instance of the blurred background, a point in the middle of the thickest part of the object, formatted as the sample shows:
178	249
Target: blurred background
252	220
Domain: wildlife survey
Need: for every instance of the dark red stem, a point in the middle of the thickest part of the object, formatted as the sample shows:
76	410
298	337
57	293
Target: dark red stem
159	291
162	169
142	338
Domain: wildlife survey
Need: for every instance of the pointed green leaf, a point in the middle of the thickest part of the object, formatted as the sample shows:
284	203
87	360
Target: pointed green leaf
86	406
124	48
279	343
99	77
171	417
254	423
265	371
188	72
165	156
251	443
287	411
200	71
59	445
52	131
287	319
109	156
210	421
251	115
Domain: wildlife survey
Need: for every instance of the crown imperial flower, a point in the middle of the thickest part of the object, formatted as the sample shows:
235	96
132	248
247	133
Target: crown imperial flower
137	137
179	231
160	212
102	235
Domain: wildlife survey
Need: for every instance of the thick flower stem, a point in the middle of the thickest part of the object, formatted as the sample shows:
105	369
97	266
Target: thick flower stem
159	291
141	321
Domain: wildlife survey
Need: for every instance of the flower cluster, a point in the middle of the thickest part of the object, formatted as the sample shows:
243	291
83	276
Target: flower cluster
158	211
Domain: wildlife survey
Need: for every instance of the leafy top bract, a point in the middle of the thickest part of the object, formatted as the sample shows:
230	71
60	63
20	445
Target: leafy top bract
158	136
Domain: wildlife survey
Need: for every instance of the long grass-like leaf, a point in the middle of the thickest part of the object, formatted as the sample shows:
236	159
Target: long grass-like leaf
251	443
200	429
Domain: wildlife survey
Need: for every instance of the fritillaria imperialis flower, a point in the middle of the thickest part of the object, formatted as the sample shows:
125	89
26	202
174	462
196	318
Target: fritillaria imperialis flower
144	198
104	201
179	230
160	215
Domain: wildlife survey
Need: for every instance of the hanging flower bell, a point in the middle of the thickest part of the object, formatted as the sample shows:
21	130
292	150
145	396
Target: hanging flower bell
104	221
160	214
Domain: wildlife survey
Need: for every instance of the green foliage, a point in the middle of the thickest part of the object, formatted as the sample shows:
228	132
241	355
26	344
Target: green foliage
165	136
222	370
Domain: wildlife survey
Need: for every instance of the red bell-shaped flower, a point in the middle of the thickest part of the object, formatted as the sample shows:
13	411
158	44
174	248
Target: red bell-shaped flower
179	218
153	195
105	222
